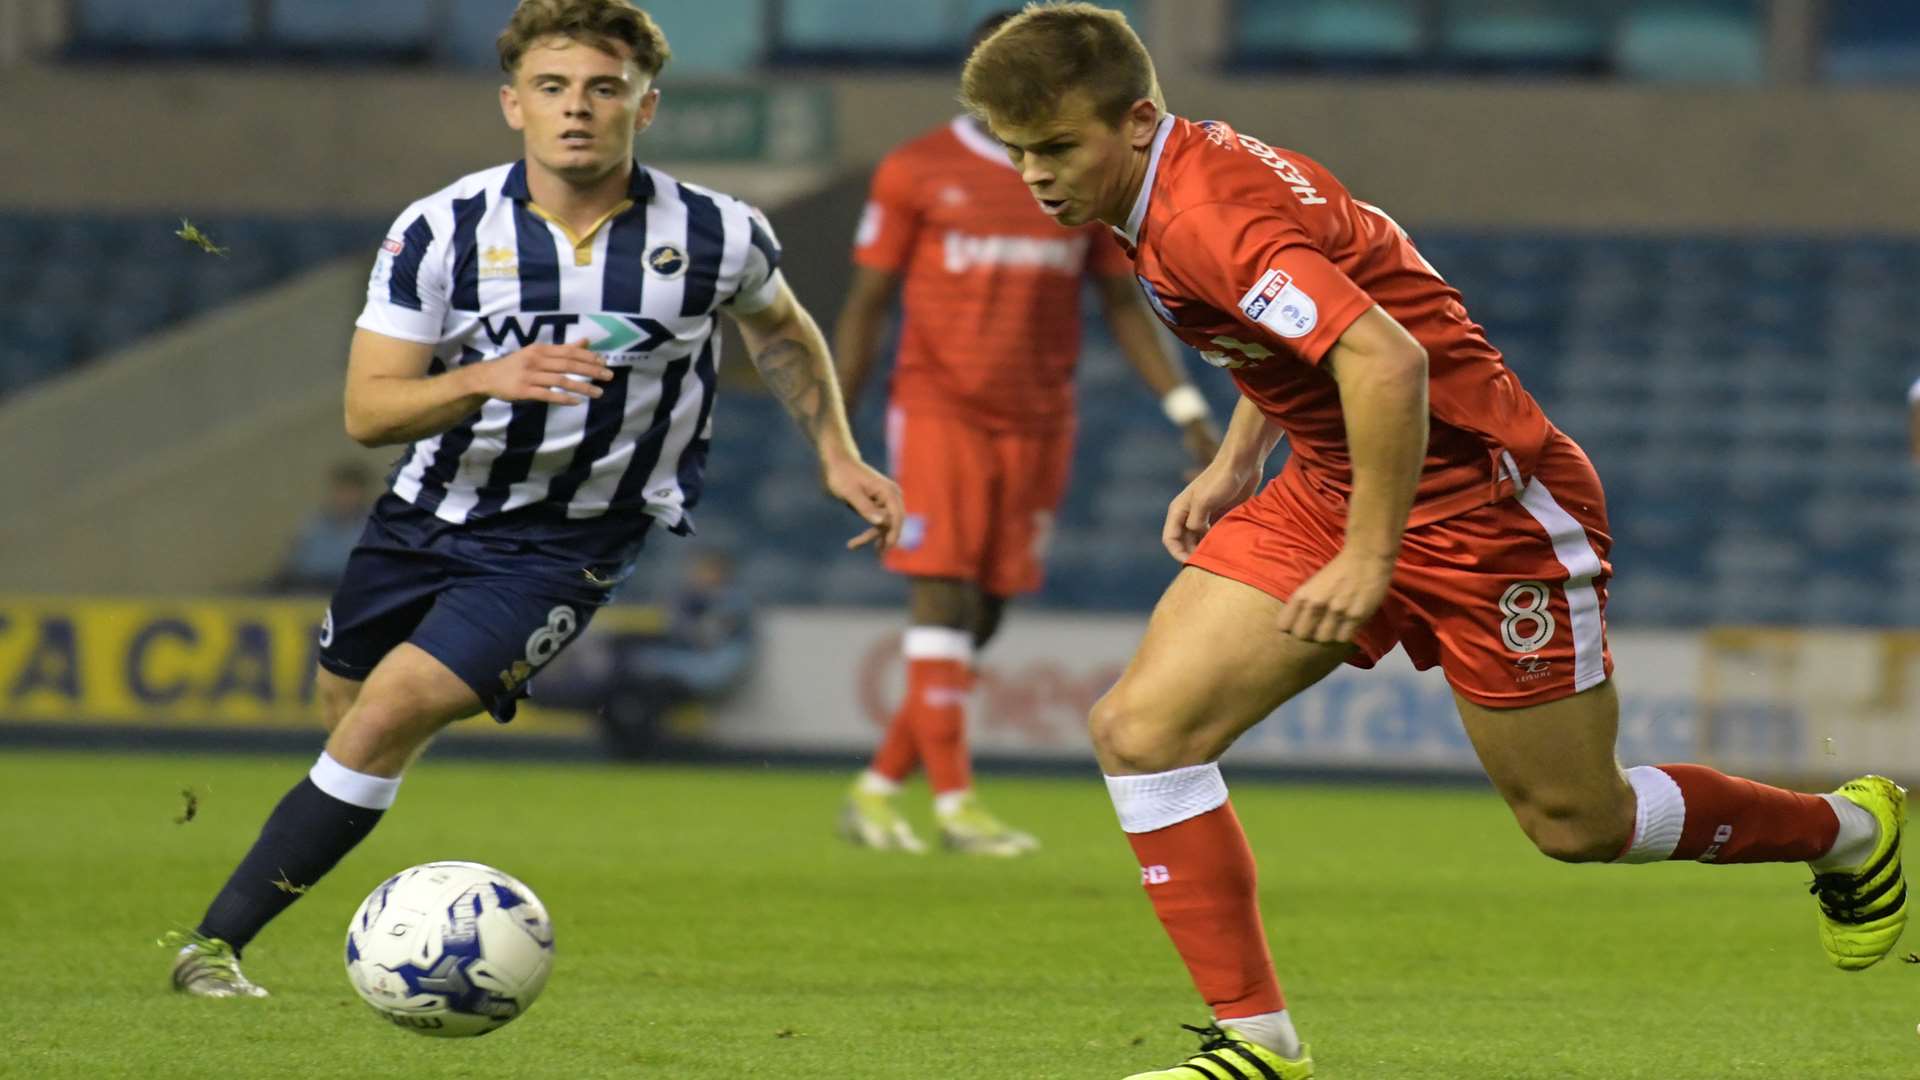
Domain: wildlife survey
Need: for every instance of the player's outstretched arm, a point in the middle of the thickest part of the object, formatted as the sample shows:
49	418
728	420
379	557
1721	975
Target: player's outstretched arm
856	333
391	398
792	359
1138	334
1382	374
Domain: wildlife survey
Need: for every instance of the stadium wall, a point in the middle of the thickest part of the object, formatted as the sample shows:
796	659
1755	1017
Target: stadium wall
221	434
1806	704
1814	704
1462	153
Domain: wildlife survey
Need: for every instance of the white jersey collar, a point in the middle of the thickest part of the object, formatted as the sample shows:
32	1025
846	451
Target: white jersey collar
1131	233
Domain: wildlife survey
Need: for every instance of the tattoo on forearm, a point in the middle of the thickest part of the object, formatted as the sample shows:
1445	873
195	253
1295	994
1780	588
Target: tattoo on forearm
802	384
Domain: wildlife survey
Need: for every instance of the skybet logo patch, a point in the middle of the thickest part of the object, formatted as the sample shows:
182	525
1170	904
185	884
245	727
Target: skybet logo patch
1276	303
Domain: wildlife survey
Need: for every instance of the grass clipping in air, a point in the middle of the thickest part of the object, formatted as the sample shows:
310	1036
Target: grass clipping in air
191	233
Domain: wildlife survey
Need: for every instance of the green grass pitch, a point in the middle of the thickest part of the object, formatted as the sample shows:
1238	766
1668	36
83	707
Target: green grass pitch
710	926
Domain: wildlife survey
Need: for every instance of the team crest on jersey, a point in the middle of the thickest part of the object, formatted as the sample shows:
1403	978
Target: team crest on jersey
1276	303
667	261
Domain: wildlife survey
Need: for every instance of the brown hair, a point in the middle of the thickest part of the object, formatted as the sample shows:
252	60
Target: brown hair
600	23
1021	72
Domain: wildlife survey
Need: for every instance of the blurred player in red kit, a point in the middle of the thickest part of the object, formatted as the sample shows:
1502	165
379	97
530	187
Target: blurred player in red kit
980	428
1428	503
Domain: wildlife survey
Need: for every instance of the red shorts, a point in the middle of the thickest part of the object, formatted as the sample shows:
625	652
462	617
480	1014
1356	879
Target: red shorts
980	502
1509	599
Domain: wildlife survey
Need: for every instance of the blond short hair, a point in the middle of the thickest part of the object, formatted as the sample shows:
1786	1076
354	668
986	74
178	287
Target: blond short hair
1021	73
600	23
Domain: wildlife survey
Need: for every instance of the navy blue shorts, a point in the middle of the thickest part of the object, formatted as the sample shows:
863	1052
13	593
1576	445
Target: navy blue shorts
494	602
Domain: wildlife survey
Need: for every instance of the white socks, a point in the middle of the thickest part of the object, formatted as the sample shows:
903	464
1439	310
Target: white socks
1659	814
1159	800
353	788
1853	846
874	784
948	803
1272	1030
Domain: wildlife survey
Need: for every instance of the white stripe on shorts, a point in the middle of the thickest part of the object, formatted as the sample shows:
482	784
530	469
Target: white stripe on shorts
1575	552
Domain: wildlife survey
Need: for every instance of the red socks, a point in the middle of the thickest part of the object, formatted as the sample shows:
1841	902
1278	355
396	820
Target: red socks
1693	812
930	726
1199	873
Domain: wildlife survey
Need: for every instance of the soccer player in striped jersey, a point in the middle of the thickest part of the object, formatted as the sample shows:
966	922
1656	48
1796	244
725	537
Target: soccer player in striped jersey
1428	505
542	336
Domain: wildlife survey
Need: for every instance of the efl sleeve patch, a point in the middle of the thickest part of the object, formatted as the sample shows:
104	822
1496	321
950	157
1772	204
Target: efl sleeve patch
1276	303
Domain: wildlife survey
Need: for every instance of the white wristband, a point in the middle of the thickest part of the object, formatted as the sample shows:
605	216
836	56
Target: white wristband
1183	405
1913	393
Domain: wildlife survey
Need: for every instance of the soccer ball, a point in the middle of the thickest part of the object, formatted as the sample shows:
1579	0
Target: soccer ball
450	948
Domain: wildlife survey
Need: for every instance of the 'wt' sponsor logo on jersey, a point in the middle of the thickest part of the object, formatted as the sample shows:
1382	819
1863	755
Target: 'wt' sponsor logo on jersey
616	338
964	252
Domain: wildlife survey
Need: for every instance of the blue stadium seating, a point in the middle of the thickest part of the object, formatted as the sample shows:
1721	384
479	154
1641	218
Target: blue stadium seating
1873	40
385	26
192	25
1721	41
1744	400
97	283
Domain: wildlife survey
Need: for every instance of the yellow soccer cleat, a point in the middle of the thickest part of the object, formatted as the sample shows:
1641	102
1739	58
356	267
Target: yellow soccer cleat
207	967
1862	912
1226	1056
970	830
870	820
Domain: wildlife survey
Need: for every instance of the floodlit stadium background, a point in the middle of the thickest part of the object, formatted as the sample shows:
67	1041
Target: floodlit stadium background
1689	224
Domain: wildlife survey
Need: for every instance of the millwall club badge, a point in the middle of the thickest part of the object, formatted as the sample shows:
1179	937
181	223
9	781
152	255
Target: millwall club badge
667	261
1276	303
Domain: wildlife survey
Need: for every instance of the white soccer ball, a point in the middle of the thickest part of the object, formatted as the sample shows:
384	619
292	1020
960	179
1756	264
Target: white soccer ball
450	948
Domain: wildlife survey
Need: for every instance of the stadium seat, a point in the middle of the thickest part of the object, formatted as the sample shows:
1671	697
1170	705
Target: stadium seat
387	26
712	37
470	28
1527	35
1336	31
1720	41
178	24
869	26
1873	41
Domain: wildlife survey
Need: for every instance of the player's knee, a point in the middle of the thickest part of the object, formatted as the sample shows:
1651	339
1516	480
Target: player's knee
1128	738
336	696
1570	831
382	732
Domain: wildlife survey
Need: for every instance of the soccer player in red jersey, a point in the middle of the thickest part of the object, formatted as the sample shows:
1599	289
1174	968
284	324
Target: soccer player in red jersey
1428	503
980	428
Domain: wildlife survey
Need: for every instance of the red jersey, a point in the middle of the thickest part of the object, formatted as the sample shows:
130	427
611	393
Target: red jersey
991	329
1259	258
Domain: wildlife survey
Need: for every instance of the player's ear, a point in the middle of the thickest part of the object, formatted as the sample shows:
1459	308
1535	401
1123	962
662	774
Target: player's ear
643	117
510	107
1143	119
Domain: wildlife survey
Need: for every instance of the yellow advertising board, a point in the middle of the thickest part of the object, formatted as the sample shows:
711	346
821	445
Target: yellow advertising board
186	662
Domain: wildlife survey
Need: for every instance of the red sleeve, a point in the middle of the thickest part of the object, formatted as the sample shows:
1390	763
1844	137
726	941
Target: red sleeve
1263	270
1105	256
884	240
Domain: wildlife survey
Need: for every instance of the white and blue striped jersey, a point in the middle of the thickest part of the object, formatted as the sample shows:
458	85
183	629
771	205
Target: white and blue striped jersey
478	271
